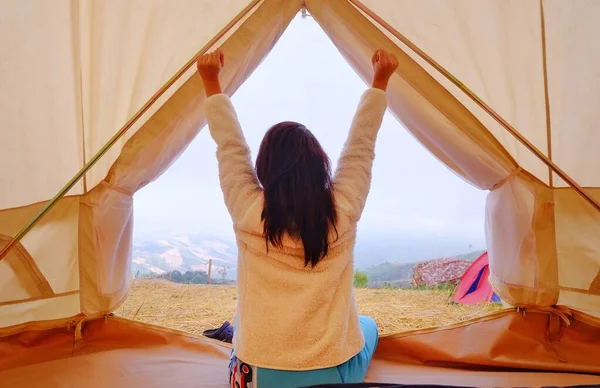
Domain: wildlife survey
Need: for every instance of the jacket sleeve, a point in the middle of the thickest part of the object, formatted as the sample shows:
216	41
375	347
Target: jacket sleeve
352	180
238	179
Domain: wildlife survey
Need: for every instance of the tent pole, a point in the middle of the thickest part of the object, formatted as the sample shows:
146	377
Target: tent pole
19	236
549	163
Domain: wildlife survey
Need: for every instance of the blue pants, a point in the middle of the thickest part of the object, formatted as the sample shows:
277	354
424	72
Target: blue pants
352	371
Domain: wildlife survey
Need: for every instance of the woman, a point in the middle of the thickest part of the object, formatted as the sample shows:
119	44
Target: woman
295	225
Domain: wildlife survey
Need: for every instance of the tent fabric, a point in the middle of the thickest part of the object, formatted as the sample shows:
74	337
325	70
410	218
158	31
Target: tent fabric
121	353
74	72
432	273
474	286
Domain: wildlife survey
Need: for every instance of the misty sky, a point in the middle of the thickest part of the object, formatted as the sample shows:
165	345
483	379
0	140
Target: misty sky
305	79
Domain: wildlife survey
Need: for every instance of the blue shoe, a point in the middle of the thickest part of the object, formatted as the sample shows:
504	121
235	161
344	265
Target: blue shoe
223	333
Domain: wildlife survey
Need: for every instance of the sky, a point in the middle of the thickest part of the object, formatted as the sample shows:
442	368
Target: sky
305	79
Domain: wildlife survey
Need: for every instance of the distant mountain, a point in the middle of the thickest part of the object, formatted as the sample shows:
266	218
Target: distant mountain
472	256
386	257
397	274
373	249
185	253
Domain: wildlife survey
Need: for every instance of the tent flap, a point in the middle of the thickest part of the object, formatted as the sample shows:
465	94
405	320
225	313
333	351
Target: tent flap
105	241
457	138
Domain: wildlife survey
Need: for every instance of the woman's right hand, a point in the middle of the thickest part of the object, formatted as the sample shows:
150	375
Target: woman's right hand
384	65
209	67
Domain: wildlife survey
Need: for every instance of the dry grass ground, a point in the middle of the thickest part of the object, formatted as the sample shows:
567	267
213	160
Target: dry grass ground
195	308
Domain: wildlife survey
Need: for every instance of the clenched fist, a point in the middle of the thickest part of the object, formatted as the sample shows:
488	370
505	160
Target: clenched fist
384	65
210	65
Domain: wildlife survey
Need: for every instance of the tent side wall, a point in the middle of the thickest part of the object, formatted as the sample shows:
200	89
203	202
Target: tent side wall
578	241
47	255
83	246
519	228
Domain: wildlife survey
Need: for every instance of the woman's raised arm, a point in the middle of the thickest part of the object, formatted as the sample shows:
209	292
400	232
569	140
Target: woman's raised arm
352	180
238	179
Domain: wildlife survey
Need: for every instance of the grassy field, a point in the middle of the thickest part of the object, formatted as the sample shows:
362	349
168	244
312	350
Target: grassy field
195	308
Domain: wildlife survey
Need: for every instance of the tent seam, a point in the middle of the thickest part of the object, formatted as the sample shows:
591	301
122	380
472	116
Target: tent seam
76	25
35	299
546	92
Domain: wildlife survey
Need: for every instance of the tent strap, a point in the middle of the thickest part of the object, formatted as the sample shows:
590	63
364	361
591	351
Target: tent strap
549	163
512	175
19	236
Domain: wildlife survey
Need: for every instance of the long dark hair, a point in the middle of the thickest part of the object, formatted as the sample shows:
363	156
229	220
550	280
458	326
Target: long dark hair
295	174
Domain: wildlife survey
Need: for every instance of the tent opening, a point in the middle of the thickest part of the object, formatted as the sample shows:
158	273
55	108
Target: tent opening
418	210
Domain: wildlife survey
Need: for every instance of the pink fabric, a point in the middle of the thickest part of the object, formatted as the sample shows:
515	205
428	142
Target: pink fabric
483	292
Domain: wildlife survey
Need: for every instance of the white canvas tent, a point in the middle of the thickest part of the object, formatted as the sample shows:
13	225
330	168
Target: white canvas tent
75	75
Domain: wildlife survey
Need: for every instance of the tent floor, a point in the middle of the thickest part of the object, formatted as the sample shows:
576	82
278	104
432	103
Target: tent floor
120	353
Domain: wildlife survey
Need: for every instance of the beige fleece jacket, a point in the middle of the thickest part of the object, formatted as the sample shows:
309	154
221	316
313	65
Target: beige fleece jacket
293	317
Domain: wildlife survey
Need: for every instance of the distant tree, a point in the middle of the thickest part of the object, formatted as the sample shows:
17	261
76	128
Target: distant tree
360	279
189	277
195	277
176	276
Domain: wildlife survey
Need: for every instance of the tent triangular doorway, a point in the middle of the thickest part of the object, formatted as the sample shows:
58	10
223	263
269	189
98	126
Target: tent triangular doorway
305	79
